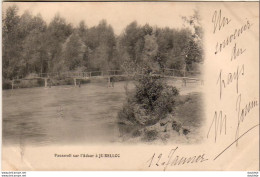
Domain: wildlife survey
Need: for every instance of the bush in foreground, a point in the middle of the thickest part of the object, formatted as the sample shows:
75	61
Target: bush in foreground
150	102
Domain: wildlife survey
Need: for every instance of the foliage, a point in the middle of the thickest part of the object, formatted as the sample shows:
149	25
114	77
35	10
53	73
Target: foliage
194	47
30	45
152	101
150	135
73	52
155	95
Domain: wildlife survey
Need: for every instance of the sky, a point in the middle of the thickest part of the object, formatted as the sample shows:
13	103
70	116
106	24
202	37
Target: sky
117	14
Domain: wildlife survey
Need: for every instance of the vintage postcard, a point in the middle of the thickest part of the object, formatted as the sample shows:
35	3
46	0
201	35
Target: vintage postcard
138	86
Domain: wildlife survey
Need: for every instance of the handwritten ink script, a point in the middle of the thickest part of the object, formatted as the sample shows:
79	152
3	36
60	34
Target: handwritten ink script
231	79
220	123
174	159
230	82
219	21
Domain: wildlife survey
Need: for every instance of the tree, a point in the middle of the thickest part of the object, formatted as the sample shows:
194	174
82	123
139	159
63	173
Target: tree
100	59
101	43
150	52
57	32
164	38
32	46
34	55
73	52
82	30
11	43
194	49
133	41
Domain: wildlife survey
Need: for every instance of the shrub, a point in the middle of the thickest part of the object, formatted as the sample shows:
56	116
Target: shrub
40	82
136	133
6	84
27	83
151	101
67	81
150	135
155	96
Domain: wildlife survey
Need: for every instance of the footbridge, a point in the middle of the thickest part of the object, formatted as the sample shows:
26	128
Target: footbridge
182	75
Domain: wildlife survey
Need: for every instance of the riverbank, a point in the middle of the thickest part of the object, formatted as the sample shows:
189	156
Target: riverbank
189	123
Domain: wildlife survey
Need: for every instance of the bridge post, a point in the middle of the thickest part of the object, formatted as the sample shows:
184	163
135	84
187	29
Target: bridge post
108	81
75	82
12	84
184	82
46	82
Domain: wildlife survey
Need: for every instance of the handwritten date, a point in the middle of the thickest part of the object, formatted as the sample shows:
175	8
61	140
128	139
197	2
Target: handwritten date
172	160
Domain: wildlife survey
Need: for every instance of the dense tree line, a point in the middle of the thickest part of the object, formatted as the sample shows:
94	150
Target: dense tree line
30	45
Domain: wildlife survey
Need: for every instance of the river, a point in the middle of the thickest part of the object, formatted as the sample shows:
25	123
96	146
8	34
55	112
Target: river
64	114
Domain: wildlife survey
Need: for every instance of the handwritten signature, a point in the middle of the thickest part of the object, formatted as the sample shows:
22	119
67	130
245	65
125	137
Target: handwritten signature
236	140
220	121
242	113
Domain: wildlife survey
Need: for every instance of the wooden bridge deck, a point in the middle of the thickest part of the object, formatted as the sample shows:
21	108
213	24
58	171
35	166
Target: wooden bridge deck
168	73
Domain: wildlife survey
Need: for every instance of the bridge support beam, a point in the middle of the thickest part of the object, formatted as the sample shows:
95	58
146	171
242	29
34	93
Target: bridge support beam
184	82
12	84
108	82
75	82
46	82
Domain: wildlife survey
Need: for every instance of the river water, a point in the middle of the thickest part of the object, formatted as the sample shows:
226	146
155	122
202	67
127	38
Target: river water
62	114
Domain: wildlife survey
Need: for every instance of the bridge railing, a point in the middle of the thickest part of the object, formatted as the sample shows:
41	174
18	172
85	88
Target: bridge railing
192	74
115	72
96	73
75	74
43	74
174	72
181	73
164	72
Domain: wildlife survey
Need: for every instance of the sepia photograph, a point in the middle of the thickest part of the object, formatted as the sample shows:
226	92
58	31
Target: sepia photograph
68	79
136	85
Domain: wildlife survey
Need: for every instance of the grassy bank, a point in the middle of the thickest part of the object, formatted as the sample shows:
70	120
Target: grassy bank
183	126
189	110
